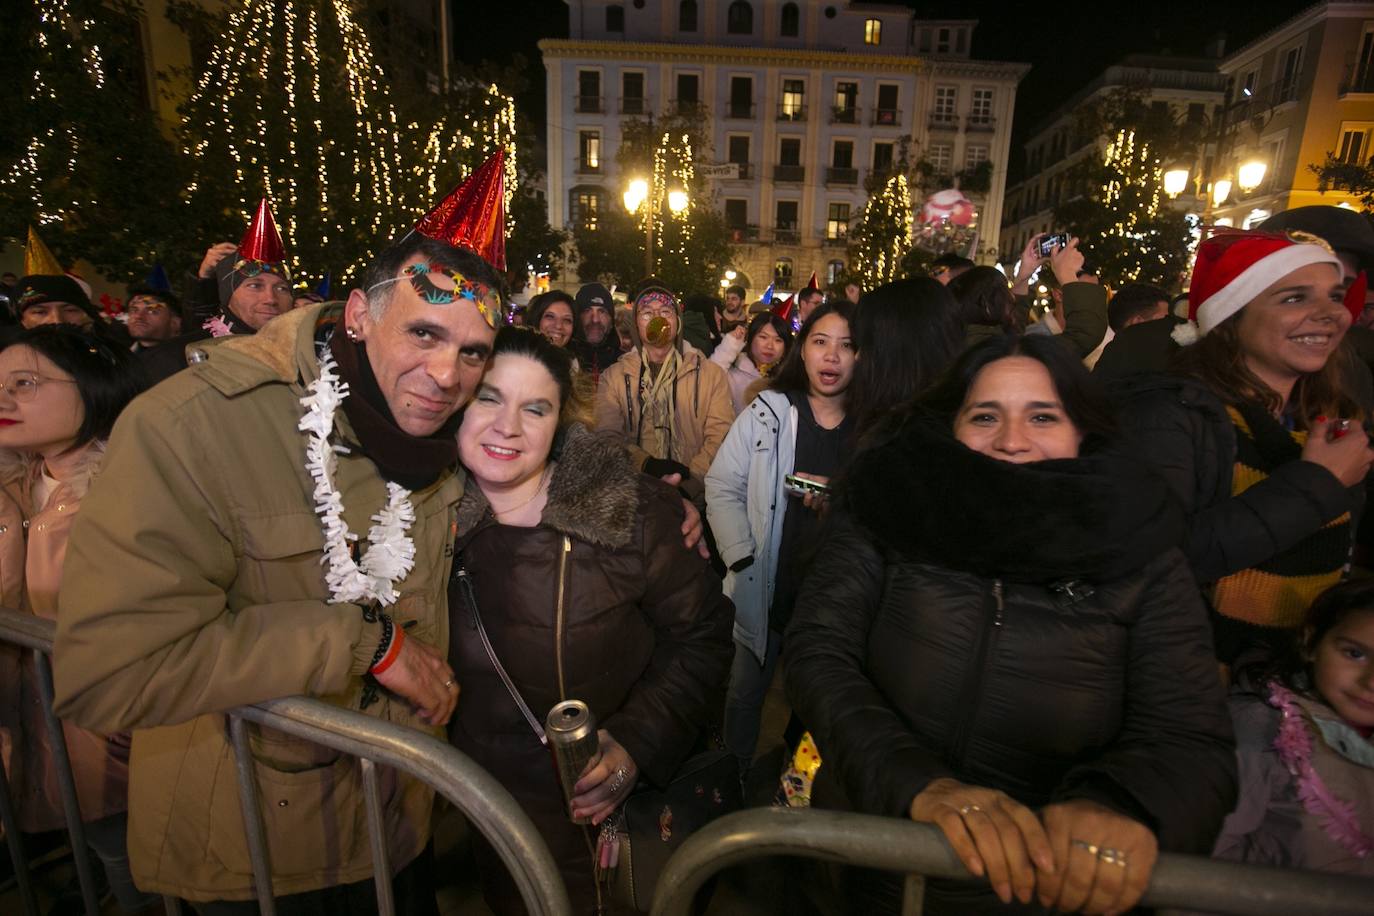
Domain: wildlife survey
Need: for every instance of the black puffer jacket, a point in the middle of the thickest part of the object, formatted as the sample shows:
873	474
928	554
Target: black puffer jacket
645	636
1025	627
1181	429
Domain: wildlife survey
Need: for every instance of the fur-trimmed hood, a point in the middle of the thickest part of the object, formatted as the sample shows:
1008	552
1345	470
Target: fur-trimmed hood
932	499
18	471
593	495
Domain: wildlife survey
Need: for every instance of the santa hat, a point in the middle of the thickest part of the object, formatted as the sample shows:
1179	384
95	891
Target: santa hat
1234	267
473	215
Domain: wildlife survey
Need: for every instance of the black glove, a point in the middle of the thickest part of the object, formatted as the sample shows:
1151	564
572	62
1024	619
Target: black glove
742	565
662	467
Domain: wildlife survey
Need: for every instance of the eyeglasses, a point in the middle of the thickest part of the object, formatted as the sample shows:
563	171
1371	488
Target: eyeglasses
23	386
661	311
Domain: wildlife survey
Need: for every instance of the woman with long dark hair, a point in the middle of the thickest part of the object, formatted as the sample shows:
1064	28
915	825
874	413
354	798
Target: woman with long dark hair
1257	433
905	334
999	636
800	427
751	354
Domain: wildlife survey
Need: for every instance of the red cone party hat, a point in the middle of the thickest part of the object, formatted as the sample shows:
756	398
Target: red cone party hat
473	216
783	308
812	284
262	241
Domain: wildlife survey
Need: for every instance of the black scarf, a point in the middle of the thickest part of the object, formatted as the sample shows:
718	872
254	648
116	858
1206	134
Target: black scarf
926	495
414	462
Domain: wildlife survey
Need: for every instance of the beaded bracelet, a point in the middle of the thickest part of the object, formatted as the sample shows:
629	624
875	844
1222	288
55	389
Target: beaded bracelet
384	644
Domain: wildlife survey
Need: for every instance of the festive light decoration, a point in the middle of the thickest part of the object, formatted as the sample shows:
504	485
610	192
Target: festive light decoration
672	186
883	235
293	106
1132	193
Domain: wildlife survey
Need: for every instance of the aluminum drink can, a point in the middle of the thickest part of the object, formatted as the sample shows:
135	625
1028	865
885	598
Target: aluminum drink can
571	730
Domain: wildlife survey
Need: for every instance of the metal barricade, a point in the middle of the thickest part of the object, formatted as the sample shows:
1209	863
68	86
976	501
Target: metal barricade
1194	883
488	807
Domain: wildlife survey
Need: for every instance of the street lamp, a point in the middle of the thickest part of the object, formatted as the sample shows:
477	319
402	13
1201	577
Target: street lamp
1221	189
1175	180
637	195
1251	174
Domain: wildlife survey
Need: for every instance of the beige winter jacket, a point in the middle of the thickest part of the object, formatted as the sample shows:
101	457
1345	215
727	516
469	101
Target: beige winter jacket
194	584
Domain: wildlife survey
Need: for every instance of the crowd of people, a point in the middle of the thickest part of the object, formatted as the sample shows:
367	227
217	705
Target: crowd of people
1076	586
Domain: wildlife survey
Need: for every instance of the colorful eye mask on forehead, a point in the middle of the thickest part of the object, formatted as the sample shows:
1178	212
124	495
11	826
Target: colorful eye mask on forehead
251	268
487	300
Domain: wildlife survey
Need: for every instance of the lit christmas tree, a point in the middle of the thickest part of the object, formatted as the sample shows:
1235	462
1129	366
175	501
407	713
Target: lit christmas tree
294	107
81	155
883	235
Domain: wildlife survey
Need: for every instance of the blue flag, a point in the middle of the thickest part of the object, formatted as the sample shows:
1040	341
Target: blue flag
767	296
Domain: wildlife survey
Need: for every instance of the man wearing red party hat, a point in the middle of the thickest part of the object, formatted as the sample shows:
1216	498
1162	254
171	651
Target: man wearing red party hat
808	299
290	534
238	289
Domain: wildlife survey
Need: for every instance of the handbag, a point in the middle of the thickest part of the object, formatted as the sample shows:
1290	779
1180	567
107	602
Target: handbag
652	822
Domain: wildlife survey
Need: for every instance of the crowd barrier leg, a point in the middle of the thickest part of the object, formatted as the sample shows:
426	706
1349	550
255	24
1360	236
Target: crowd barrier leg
253	829
376	826
16	846
66	783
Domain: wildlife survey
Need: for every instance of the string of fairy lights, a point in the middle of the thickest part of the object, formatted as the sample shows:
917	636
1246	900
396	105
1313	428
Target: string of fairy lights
673	169
1132	191
885	233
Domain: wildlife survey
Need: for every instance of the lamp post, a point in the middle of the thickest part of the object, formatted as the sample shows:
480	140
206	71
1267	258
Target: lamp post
637	195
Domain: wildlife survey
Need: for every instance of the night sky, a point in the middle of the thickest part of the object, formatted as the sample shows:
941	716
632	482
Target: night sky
1066	42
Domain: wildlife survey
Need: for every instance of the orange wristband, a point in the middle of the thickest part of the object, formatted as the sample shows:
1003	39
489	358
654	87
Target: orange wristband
393	652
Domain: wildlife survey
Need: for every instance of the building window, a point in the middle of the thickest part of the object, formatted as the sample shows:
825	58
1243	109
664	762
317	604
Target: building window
786	214
793	100
1247	85
736	213
1197	113
941	158
589	90
782	273
1288	75
946	103
615	18
942	43
873	31
585	207
1354	147
632	93
739	18
1364	64
588	151
741	97
980	108
687	16
886	112
789	151
882	157
791	21
846	103
687	85
833	271
738	151
842	155
975	155
837	221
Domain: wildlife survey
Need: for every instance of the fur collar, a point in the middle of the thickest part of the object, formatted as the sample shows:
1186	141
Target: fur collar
19	471
932	499
593	495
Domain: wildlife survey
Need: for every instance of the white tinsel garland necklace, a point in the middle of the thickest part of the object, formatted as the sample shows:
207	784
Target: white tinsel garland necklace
391	552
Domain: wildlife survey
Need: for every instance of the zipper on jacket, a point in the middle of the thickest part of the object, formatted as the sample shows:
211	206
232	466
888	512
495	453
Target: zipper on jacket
973	682
558	616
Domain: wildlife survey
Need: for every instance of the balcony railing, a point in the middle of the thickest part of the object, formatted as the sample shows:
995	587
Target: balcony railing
944	122
745	170
786	235
841	175
1261	100
887	117
981	123
848	114
634	106
686	106
789	173
585	167
739	110
788	111
745	233
835	241
882	172
587	104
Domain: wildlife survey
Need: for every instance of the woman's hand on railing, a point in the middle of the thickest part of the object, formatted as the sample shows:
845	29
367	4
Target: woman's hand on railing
993	834
606	782
1103	859
421	675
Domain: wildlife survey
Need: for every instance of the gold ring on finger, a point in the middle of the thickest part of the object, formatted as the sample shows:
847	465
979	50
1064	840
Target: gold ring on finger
1113	857
966	809
1090	848
448	683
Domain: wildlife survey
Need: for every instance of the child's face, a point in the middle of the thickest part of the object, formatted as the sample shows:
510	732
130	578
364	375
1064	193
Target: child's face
1344	668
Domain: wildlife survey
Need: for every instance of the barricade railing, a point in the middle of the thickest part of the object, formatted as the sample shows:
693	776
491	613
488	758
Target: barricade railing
919	851
488	807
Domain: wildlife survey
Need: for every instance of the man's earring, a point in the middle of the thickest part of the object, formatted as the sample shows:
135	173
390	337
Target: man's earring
352	334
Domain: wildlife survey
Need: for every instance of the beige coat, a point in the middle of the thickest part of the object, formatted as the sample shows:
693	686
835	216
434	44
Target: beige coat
194	584
703	416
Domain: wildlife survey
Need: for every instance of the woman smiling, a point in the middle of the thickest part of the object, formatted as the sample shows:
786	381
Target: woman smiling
1258	432
574	562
